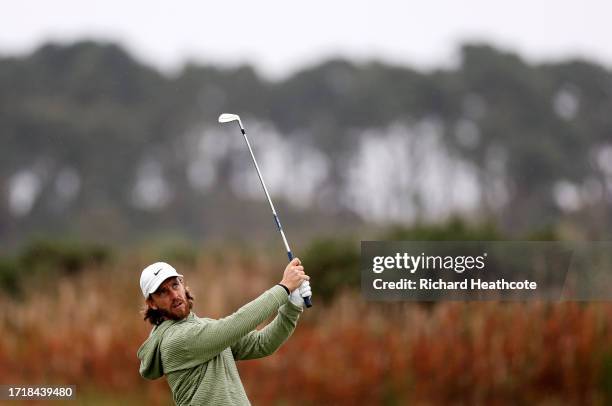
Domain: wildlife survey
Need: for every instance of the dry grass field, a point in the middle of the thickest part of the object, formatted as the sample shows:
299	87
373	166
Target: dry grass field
84	329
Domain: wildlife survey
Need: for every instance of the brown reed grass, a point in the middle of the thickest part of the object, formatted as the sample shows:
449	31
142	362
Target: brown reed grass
85	330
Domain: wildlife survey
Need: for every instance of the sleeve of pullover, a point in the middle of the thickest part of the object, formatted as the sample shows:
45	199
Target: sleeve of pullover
194	342
264	342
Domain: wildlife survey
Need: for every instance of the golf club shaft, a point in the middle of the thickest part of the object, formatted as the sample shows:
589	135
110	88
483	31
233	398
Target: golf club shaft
307	300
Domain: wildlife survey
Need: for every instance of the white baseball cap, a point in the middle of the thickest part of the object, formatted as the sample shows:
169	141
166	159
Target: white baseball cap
154	275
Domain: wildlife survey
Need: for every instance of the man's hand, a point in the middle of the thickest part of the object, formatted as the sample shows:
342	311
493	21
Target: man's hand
294	275
297	296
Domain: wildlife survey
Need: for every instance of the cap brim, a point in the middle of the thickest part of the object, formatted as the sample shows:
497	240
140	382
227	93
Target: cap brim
161	278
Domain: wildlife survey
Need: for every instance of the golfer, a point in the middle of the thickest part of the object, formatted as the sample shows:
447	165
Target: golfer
198	355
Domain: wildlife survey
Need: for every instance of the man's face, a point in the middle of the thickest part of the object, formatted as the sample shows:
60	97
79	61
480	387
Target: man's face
170	299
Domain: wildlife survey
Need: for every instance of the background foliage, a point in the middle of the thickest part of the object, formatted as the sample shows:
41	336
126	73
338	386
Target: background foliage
81	124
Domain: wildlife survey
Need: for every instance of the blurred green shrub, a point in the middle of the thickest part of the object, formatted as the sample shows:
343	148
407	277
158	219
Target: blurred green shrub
9	276
45	255
605	379
177	252
547	233
62	255
456	229
333	264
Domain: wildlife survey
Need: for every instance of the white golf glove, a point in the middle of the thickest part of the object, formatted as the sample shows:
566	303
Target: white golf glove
296	297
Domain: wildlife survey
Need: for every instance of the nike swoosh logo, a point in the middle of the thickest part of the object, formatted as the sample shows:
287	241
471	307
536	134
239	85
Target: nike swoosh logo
155	273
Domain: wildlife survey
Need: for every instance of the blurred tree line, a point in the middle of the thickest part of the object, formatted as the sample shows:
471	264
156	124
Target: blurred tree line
80	124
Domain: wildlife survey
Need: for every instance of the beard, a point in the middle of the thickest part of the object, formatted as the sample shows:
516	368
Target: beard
176	313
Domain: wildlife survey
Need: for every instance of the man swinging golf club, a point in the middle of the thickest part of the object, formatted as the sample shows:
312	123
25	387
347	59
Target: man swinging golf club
198	355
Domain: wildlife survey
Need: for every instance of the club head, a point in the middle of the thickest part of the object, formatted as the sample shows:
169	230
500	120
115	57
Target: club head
228	117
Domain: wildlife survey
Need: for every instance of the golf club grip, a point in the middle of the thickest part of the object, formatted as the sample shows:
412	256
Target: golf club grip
307	300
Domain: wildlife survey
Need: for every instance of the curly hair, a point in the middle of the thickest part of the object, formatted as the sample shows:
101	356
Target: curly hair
157	316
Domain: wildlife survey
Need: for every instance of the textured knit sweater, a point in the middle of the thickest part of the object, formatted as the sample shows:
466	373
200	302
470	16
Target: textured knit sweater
198	355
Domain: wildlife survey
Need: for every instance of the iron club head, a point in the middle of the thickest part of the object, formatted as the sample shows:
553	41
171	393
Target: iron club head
228	117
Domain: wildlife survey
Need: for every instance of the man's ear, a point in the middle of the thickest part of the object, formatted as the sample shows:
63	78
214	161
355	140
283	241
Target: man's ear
151	303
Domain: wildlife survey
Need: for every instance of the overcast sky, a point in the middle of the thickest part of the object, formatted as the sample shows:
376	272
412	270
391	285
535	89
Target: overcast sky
278	37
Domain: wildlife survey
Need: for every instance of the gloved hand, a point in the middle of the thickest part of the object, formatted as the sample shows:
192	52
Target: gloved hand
303	291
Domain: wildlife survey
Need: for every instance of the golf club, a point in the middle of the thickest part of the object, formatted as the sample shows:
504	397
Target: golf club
226	118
